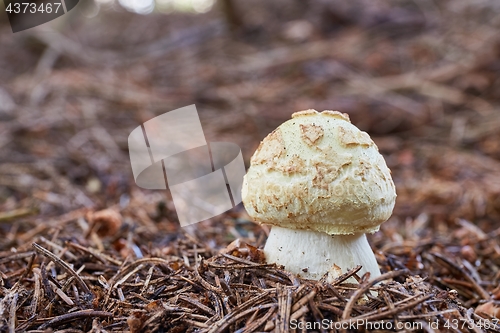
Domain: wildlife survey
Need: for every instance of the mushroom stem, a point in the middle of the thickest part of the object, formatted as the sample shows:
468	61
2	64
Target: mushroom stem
312	254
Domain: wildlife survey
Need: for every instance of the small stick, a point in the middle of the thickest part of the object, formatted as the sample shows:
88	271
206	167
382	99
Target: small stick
120	294
331	308
200	306
15	256
98	255
26	271
37	292
148	279
89	313
346	275
70	255
205	284
63	265
429	314
127	276
357	294
241	260
75	293
16	213
336	293
257	323
12	313
68	217
284	307
299	313
45	281
193	323
232	317
458	270
303	301
375	315
61	294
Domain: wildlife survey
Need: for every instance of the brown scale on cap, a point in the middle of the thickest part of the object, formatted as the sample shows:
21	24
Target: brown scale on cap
311	133
348	138
270	150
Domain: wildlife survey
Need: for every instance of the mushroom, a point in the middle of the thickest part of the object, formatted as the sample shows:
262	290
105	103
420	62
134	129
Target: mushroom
322	184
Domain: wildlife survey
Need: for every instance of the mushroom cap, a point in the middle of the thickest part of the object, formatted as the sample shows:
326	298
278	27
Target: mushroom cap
317	171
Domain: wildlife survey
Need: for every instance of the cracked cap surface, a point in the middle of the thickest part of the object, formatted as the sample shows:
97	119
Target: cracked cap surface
317	171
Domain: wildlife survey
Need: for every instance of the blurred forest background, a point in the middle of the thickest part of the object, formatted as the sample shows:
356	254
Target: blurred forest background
422	77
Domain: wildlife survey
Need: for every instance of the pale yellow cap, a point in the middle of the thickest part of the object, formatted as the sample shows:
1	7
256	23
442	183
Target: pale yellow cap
317	171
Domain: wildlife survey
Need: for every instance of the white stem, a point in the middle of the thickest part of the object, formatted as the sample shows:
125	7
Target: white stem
312	254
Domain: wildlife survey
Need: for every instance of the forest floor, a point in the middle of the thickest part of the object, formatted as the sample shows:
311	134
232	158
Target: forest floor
84	249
